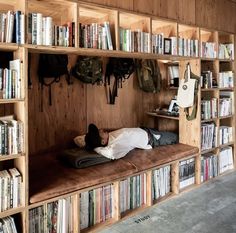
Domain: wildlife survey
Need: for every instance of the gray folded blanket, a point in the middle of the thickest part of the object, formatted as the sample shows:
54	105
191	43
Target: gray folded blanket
81	158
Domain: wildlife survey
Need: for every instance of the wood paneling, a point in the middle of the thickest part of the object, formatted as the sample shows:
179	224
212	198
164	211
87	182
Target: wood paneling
169	9
128	4
152	7
55	127
187	11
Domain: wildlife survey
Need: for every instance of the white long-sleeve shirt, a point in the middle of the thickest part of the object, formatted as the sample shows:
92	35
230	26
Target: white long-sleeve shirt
122	141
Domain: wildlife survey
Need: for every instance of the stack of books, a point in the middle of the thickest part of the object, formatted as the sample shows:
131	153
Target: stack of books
209	109
186	173
7	225
226	106
209	166
160	182
208	136
226	79
132	192
226	159
225	134
208	50
96	36
226	51
188	47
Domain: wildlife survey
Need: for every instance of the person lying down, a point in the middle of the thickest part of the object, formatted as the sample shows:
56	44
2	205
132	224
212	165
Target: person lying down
116	144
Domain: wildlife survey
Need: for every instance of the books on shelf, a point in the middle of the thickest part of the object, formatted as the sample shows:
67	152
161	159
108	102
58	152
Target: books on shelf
42	31
134	40
207	80
10	189
226	159
96	36
173	71
161	182
209	109
132	192
56	216
208	136
225	134
208	49
11	136
226	51
226	79
7	225
209	166
188	47
12	27
96	206
10	80
186	173
226	103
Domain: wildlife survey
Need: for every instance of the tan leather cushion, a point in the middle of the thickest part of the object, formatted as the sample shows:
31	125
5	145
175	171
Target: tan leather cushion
146	159
50	178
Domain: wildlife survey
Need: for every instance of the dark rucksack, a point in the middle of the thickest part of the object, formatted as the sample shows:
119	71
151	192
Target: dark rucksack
88	70
121	69
148	74
51	67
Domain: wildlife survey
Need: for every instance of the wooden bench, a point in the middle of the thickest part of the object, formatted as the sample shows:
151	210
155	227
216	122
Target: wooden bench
49	178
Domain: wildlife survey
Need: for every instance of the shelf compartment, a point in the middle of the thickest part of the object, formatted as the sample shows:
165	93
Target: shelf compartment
164	34
134	33
208	47
226	46
103	24
188	40
12	212
63	14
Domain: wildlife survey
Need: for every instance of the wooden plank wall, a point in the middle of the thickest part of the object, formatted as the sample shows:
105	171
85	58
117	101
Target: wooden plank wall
76	106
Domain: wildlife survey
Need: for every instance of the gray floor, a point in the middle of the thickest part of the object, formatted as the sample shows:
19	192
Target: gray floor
207	209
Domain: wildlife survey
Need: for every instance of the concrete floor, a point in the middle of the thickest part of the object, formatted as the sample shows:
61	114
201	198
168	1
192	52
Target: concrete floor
211	208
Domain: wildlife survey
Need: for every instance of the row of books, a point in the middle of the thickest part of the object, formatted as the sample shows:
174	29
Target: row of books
226	79
12	27
209	166
42	31
208	49
164	45
96	36
11	136
7	225
226	159
173	72
10	189
226	51
55	217
161	182
134	41
226	103
208	136
132	192
209	109
96	206
186	173
188	47
225	134
206	80
10	80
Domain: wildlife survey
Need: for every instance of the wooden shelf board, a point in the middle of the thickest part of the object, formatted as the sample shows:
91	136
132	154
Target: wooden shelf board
129	213
209	150
213	178
208	59
226	89
10	157
9	47
225	117
9	101
225	60
166	197
226	144
162	116
98	226
209	120
11	212
210	89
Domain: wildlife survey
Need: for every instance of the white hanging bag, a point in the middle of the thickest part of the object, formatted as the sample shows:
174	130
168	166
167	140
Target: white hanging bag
185	95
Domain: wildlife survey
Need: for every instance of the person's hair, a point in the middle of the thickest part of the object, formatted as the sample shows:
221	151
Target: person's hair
92	138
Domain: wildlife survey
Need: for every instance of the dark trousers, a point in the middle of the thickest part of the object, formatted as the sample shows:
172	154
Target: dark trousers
166	138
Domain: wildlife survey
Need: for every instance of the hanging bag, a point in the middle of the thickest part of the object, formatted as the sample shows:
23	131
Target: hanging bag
187	95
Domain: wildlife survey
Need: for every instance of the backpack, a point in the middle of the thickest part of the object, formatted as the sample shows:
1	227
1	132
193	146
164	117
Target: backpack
148	73
50	68
88	70
121	69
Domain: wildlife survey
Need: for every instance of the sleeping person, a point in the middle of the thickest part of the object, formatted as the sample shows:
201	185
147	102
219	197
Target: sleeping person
116	144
